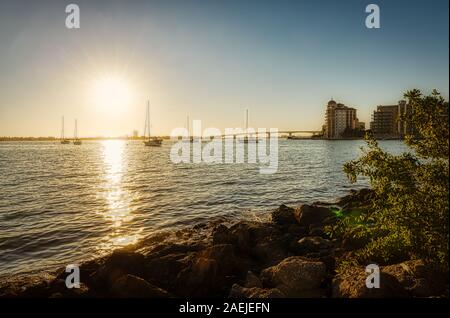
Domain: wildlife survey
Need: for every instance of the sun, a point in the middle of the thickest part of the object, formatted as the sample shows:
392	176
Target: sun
111	94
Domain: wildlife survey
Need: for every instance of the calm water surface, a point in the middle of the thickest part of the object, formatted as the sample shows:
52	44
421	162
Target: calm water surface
60	204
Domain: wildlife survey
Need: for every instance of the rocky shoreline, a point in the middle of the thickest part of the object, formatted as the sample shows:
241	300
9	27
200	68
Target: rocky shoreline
289	256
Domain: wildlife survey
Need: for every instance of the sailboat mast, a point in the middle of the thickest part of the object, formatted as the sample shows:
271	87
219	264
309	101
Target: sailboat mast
62	129
148	114
76	130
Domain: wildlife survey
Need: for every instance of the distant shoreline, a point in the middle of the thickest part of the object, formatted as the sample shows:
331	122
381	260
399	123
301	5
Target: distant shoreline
19	139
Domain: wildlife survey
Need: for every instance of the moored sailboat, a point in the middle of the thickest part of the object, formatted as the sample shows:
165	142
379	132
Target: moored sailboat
150	141
64	141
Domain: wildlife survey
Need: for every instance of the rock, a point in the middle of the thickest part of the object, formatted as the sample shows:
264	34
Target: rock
357	197
173	248
254	292
133	286
227	261
269	252
297	230
198	279
352	284
162	271
284	215
58	286
252	281
418	278
296	277
317	231
313	244
310	214
221	235
119	263
243	235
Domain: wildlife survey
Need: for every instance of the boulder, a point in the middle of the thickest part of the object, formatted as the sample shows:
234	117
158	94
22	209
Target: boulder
418	278
311	214
221	235
357	198
58	286
243	235
284	215
269	252
296	277
174	248
133	286
352	284
252	281
317	231
119	263
254	292
227	261
163	270
296	230
198	279
313	244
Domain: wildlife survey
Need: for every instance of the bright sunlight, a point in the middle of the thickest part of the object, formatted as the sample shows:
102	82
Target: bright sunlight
111	94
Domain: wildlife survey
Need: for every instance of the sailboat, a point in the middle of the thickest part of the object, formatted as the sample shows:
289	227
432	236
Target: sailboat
64	141
76	140
150	141
248	138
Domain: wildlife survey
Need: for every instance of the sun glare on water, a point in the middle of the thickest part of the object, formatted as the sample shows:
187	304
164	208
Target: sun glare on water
111	94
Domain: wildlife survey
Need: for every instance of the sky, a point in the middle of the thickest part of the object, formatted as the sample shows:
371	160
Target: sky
282	60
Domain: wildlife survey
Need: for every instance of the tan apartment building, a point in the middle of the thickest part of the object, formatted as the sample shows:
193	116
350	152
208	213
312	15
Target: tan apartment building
338	118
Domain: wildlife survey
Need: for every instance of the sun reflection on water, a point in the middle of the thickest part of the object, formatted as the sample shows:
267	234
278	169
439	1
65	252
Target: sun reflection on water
118	210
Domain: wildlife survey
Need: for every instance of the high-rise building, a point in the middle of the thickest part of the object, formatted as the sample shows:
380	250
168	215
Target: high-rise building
338	118
387	121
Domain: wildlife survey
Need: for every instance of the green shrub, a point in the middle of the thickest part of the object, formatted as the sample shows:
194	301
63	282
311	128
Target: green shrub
409	217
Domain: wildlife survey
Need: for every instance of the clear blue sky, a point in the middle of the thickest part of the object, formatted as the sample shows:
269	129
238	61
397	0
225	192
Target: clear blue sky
212	59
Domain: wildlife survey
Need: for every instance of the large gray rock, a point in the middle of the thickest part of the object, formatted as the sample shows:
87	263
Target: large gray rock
296	277
133	286
254	292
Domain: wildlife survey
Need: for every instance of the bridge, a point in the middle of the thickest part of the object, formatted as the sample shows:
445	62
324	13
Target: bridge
289	132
